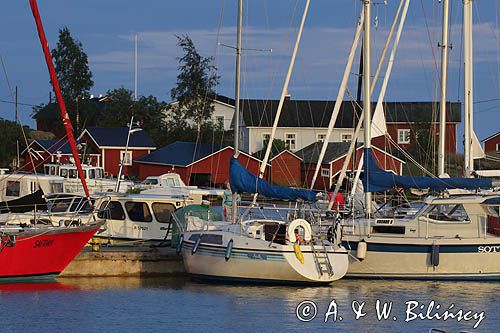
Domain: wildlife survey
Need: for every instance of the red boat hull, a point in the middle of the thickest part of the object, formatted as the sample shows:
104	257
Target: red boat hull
41	254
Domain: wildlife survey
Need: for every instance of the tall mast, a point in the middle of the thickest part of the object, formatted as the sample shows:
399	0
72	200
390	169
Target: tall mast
468	81
237	100
283	93
135	69
367	92
57	91
444	77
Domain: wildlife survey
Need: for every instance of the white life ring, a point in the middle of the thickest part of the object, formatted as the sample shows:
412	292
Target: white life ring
304	225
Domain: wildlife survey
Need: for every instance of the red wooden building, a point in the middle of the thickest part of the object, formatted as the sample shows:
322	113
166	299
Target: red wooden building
333	161
199	164
109	144
492	144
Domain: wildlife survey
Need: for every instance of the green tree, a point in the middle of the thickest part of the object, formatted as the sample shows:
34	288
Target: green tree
11	133
196	81
72	67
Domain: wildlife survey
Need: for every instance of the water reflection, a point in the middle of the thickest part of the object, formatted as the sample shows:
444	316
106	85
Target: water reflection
156	303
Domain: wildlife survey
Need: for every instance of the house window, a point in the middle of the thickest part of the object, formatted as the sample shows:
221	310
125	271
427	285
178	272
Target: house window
320	137
126	158
266	137
404	136
219	120
498	148
325	172
291	140
346	137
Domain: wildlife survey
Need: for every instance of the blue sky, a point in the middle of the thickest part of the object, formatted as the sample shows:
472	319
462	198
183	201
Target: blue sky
106	30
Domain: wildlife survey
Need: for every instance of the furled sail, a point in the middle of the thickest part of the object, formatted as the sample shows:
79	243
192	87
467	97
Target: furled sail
242	181
377	180
28	203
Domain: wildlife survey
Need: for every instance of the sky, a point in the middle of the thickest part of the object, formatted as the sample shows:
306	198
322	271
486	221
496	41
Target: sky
107	28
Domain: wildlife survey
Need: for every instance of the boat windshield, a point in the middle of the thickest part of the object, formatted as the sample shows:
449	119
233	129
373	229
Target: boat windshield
447	213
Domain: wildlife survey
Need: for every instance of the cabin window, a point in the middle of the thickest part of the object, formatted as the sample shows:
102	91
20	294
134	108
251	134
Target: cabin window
325	172
291	140
346	137
126	157
61	205
64	173
498	148
81	205
138	211
163	212
448	213
73	173
206	238
13	189
56	188
91	174
112	210
404	136
170	182
320	137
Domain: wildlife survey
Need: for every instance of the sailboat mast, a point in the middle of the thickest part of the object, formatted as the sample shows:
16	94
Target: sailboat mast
444	77
57	90
367	92
237	100
468	79
135	69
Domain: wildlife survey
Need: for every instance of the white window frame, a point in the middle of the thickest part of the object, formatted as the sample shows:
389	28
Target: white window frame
325	172
290	146
264	135
404	141
319	135
126	161
342	139
498	147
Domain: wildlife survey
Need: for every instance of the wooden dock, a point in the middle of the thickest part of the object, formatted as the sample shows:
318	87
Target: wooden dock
125	261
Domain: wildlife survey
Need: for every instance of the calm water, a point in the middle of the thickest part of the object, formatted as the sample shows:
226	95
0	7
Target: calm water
182	305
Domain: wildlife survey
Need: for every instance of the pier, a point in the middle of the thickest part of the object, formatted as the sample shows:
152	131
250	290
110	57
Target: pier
125	261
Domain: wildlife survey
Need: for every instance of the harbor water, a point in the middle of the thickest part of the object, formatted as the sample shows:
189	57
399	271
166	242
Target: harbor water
183	305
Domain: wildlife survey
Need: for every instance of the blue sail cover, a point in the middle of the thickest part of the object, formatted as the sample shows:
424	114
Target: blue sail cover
242	181
378	180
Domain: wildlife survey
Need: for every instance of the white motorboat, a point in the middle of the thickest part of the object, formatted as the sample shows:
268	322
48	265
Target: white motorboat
17	185
139	217
171	184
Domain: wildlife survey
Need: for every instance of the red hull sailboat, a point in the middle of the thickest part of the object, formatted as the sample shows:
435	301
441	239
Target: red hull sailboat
28	251
43	252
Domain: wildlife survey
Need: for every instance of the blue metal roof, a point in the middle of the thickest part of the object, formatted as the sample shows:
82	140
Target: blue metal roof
117	137
53	146
180	153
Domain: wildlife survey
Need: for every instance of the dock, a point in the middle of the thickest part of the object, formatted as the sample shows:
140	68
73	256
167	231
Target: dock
125	261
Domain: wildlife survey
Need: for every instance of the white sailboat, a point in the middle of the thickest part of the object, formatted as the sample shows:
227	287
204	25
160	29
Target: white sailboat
447	238
263	249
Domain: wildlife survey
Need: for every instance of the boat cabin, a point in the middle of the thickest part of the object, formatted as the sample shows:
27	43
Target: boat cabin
70	171
17	185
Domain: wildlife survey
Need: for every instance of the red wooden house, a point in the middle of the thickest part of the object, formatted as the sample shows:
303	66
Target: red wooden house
109	143
285	168
492	144
199	164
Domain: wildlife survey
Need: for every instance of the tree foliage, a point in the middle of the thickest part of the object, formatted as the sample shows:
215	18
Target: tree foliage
11	134
72	67
196	81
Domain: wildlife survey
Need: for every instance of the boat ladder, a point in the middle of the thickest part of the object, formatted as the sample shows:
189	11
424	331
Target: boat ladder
321	258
